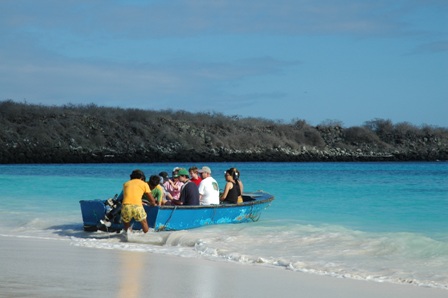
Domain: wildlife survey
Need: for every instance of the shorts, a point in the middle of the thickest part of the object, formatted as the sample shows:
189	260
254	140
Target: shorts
128	212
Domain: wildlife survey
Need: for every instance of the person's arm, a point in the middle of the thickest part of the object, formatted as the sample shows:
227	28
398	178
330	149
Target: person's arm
183	195
226	191
173	185
159	198
151	199
169	196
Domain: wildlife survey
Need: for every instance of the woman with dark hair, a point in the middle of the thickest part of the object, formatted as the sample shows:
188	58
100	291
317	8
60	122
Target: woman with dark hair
232	189
236	177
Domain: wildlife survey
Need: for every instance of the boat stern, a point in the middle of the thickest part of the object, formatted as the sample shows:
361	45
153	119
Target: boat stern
92	212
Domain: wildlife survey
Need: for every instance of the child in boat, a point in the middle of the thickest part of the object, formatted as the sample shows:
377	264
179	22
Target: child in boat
156	190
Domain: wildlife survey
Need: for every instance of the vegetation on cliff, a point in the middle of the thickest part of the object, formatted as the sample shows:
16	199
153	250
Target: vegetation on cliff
89	133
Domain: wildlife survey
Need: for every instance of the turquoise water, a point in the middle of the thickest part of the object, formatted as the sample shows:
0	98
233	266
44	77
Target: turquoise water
371	221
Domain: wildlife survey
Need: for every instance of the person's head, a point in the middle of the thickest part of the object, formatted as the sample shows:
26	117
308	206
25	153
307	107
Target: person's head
175	173
154	180
138	174
183	175
164	176
229	175
235	173
193	172
205	172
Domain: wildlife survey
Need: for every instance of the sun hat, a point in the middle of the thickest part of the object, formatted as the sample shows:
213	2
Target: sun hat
183	172
205	169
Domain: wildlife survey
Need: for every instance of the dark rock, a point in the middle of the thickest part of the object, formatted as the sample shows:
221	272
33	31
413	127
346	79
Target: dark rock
91	134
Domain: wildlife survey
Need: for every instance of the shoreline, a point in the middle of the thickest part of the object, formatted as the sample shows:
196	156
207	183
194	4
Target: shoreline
56	268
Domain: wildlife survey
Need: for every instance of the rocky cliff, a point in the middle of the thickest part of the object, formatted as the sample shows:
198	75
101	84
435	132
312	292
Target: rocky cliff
92	134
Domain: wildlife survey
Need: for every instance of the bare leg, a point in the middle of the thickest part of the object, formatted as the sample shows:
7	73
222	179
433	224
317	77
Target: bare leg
145	226
127	225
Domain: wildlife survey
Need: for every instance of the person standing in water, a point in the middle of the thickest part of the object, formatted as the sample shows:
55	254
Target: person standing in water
133	192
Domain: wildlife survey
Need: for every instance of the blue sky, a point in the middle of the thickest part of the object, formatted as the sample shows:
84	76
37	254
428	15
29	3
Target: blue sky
316	60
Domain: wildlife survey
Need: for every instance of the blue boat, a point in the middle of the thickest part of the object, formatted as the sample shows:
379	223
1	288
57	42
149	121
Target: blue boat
173	218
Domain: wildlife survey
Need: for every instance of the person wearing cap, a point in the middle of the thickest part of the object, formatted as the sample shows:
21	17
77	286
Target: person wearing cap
208	188
174	186
189	194
194	175
133	192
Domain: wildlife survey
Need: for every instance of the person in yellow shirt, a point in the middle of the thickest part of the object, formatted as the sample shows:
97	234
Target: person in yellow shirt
133	191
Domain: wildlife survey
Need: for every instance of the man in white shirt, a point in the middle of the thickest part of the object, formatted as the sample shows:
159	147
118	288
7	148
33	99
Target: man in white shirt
208	188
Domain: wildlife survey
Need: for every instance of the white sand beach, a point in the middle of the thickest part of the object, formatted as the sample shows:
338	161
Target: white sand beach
33	267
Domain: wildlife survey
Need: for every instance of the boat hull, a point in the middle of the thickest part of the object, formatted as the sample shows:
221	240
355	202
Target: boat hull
172	218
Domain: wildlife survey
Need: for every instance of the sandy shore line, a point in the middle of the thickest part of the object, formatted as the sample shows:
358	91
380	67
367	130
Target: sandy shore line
54	268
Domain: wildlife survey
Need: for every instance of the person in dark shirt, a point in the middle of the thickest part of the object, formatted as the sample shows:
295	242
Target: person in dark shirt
232	189
189	195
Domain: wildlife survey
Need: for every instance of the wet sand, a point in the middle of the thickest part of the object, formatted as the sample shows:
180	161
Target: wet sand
33	267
